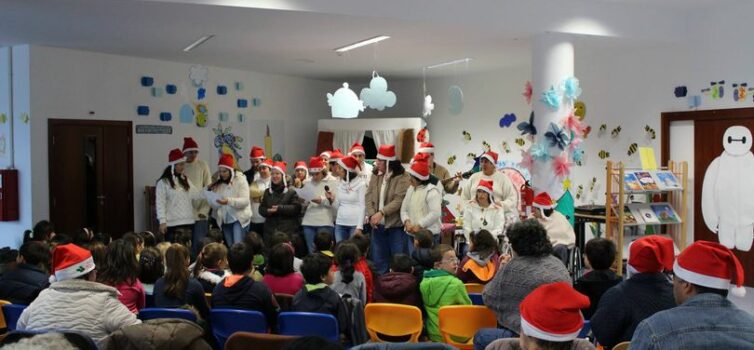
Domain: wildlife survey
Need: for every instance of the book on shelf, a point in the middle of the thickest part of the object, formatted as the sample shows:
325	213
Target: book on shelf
644	214
666	180
646	180
628	217
631	182
633	208
665	213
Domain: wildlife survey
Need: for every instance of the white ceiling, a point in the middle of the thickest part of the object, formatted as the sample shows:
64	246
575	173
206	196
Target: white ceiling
296	37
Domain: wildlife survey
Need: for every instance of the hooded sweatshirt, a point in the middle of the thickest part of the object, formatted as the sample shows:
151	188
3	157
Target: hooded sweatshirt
478	267
397	288
321	299
242	292
440	288
422	260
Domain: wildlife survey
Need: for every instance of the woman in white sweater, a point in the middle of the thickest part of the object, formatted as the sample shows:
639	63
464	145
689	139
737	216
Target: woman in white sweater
319	215
257	186
421	208
233	210
349	199
173	197
483	213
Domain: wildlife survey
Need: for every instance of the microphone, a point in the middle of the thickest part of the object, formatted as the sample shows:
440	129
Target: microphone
327	188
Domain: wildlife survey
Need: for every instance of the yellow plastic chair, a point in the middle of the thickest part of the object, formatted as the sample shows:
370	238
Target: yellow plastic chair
474	287
3	325
463	321
394	320
622	346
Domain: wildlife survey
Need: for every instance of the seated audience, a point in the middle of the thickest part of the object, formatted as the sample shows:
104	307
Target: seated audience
399	285
282	237
316	296
600	255
211	266
421	256
346	279
151	268
22	284
83	237
177	288
323	244
646	291
559	229
43	231
704	318
440	287
482	261
255	242
74	301
121	271
363	265
137	240
8	259
280	276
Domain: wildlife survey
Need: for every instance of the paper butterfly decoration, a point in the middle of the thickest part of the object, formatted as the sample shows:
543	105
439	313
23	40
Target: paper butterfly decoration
571	89
556	137
528	127
551	98
527	92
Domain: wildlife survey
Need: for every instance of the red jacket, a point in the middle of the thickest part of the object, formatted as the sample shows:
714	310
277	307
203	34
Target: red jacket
363	267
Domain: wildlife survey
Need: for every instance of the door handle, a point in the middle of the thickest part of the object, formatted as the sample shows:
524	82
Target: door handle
101	197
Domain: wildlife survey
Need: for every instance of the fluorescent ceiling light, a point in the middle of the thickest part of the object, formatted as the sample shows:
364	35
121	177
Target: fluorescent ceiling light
359	44
198	42
462	60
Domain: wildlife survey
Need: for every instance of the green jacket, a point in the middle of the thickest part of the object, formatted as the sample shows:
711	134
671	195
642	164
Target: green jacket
440	288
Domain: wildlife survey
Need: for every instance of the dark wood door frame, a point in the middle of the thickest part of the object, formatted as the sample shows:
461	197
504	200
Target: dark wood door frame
53	122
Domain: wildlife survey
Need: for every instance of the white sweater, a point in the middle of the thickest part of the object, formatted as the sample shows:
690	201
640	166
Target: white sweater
422	206
256	190
239	206
199	174
474	218
350	203
174	205
559	229
366	173
502	189
319	214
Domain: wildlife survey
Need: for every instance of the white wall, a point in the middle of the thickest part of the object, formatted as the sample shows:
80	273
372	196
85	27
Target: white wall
70	84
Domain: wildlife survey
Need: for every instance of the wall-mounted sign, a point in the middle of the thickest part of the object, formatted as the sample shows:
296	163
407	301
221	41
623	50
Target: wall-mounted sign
154	129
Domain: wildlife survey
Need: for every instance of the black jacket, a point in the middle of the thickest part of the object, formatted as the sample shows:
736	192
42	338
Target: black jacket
288	216
22	284
247	294
324	301
422	260
194	296
594	284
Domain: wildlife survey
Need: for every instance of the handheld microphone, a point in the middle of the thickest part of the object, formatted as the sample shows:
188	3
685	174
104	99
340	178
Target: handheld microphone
327	188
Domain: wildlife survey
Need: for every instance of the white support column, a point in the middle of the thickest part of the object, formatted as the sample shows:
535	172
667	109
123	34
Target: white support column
552	62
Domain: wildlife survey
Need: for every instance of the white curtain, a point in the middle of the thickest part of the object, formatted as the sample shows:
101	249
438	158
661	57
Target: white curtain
385	137
343	139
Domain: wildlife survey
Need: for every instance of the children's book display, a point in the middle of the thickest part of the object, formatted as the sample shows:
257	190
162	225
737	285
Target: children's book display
650	180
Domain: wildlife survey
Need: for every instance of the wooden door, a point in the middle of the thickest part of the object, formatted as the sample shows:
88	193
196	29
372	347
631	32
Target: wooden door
90	175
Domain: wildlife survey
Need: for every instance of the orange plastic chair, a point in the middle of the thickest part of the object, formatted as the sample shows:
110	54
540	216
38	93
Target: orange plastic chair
622	346
463	321
474	287
394	320
3	325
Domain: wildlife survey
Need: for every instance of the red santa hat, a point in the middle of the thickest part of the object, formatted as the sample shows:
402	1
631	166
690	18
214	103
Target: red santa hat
267	163
420	157
650	254
491	156
423	135
257	153
70	261
189	145
426	147
281	167
552	312
543	201
226	161
335	155
357	148
386	152
301	165
316	164
350	164
711	265
325	154
419	169
486	186
175	157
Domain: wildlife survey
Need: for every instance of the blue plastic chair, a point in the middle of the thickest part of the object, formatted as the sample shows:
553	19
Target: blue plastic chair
157	312
476	298
225	322
586	329
12	312
309	324
149	300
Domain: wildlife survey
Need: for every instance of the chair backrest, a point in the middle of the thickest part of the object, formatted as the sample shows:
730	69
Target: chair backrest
225	322
585	329
463	321
11	313
474	287
257	341
309	323
476	298
622	346
404	346
149	300
393	320
285	301
152	313
208	297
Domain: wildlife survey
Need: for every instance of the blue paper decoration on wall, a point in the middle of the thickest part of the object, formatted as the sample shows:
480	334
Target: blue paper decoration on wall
455	99
256	102
157	91
201	93
507	120
241	117
242	103
222	116
171	89
695	101
186	115
142	110
222	90
239	86
147	81
166	116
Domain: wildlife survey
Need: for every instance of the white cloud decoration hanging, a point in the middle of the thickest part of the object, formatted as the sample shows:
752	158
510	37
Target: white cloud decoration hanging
428	106
344	103
377	96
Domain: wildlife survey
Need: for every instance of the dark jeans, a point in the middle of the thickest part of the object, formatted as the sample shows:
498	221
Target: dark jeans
170	235
201	227
311	231
485	336
385	244
258	228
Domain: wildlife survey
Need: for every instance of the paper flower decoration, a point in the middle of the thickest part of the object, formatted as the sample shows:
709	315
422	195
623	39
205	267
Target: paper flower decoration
377	96
551	98
527	162
344	103
575	142
428	106
198	75
556	137
572	123
538	151
571	89
527	92
561	165
577	155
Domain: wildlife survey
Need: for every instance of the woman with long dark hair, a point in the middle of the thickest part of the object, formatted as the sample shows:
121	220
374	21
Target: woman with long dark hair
43	231
482	261
173	197
177	288
121	271
483	213
280	205
347	280
233	211
349	199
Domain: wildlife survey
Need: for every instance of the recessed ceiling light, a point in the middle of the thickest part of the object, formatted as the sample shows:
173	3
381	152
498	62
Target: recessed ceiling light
462	60
361	43
198	42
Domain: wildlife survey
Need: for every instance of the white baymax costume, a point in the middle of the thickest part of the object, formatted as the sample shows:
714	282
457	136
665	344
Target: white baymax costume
728	191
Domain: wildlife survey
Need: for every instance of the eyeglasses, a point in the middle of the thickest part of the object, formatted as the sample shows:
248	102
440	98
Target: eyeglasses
450	261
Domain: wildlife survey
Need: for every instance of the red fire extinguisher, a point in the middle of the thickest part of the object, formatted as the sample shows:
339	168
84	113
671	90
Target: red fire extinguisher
526	200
